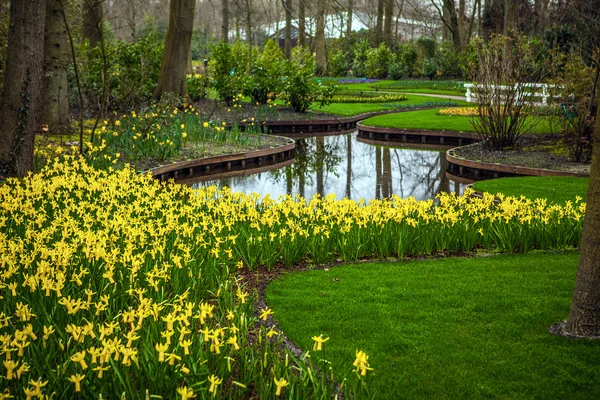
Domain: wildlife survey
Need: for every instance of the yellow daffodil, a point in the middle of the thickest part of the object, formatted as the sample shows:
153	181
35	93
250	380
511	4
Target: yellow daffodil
280	384
319	340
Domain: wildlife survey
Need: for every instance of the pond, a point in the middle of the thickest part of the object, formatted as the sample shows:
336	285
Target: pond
346	167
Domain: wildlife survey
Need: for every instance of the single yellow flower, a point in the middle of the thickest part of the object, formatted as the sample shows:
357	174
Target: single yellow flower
319	340
186	393
214	382
280	385
76	379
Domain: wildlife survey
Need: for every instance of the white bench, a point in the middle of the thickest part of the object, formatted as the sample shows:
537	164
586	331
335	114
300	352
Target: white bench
531	91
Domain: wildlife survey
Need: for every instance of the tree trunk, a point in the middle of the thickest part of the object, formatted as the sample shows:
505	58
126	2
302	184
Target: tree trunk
320	161
378	37
301	23
177	47
55	106
584	317
20	107
320	38
350	17
287	48
249	32
511	13
452	23
387	24
349	166
378	173
225	23
93	14
386	176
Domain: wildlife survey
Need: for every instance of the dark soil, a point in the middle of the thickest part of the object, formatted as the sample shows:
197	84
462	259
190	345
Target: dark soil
533	151
211	149
218	111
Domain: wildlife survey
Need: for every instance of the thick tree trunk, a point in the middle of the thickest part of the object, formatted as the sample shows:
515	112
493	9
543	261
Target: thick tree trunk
378	34
511	13
20	106
287	48
320	38
225	23
387	23
55	112
177	47
301	23
93	14
584	317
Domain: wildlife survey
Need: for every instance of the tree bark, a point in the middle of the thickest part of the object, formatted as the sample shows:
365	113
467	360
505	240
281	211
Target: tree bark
452	23
584	317
511	13
387	22
350	17
93	14
320	38
378	37
55	111
301	23
249	32
225	23
20	107
287	48
320	164
172	76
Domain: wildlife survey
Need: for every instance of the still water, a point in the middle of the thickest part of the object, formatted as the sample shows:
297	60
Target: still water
349	168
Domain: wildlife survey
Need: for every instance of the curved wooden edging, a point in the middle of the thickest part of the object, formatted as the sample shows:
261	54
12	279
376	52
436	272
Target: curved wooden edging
404	145
226	164
479	170
447	139
319	127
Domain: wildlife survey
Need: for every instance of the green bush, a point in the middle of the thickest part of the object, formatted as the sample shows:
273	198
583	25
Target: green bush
300	89
265	81
339	63
227	72
427	47
132	74
430	68
196	86
449	60
410	58
377	62
396	68
361	50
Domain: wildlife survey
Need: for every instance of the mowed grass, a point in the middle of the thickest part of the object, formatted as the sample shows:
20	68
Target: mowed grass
349	109
556	189
430	120
452	328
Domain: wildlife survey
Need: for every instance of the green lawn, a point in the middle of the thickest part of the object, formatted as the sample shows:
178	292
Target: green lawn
453	328
349	109
429	119
407	86
557	189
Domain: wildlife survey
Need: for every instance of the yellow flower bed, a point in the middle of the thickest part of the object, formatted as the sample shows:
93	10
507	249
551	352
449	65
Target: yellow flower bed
459	111
116	283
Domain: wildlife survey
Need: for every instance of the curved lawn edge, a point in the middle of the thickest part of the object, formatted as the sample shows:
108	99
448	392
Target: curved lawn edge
382	135
226	163
480	169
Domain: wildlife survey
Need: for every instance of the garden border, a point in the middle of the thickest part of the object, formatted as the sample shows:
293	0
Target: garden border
485	170
227	163
448	139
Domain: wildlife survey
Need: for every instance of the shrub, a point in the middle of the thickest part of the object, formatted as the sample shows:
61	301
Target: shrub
133	70
377	62
196	86
396	69
448	60
430	68
361	50
427	47
300	87
226	71
339	63
503	70
410	58
265	80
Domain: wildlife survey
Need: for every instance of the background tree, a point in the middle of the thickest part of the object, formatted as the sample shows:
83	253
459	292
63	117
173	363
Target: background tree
172	78
20	106
55	111
320	38
93	15
225	21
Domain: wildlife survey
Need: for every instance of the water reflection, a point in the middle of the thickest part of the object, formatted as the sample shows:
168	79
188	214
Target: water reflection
349	168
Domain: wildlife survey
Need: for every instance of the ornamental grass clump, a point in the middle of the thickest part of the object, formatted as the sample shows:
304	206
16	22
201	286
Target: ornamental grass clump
115	285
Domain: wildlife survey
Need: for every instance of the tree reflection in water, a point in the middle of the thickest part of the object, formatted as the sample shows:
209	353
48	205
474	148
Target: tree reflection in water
348	168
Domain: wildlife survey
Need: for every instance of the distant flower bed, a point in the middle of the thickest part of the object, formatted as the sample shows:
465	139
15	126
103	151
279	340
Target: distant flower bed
356	80
459	111
384	98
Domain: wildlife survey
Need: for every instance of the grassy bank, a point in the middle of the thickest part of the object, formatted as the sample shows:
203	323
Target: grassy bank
430	120
450	328
556	189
